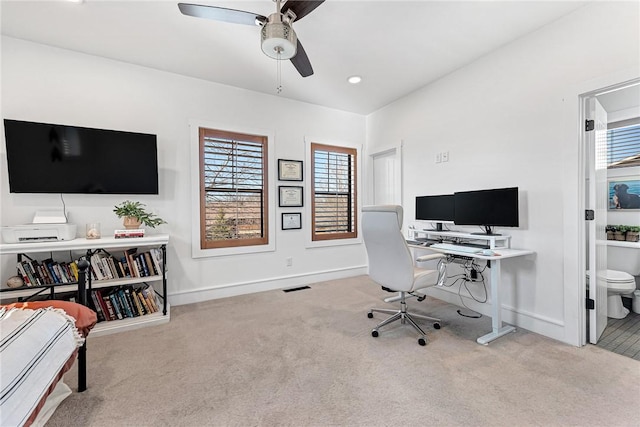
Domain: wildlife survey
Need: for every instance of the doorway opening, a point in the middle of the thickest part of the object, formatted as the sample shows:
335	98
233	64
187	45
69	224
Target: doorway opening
611	155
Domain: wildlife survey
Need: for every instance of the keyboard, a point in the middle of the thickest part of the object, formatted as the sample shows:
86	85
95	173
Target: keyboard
456	248
421	242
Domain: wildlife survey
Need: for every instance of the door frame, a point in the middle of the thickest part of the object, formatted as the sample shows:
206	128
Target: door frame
397	149
582	169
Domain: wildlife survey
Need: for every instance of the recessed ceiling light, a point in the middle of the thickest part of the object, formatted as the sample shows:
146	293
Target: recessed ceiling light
354	80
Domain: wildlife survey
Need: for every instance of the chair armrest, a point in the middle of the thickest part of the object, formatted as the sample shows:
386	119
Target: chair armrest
430	257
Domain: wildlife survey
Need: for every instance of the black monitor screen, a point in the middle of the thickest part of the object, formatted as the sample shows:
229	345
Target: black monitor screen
50	158
435	208
497	207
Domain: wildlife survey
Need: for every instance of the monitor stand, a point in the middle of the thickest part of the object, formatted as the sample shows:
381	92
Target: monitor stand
488	231
438	227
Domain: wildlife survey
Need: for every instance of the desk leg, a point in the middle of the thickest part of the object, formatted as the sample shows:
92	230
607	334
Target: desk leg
497	330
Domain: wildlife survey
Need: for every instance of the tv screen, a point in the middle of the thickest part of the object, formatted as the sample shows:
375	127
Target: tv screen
487	208
51	158
435	208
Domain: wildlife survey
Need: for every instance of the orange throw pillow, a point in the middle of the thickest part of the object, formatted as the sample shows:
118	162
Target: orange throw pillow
86	318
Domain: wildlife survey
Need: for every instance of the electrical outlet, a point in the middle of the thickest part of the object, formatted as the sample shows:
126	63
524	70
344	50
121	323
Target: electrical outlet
445	156
289	261
438	157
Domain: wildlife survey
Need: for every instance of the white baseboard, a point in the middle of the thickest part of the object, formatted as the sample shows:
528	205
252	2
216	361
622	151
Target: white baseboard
542	325
283	282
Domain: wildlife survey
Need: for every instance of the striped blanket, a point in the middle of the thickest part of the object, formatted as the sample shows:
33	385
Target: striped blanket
35	346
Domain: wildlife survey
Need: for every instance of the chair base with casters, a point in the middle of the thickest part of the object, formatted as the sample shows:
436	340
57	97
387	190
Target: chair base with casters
405	317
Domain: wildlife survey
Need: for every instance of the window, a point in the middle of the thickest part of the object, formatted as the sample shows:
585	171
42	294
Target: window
333	203
233	189
623	144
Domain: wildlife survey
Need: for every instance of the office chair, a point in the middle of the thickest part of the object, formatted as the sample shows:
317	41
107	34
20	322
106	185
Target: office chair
391	264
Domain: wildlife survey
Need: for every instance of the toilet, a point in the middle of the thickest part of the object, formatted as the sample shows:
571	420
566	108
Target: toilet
623	262
619	283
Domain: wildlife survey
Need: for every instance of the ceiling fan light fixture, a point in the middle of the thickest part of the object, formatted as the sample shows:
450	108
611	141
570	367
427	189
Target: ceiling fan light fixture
279	41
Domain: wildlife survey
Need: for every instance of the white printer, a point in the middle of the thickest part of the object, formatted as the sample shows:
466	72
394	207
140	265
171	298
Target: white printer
38	233
47	226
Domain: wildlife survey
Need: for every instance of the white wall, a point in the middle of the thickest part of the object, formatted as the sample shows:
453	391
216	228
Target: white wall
511	119
45	84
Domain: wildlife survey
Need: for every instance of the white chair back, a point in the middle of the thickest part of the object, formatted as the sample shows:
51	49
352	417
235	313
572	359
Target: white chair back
390	260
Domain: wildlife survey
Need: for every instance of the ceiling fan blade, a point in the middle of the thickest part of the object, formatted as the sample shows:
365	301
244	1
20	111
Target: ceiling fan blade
301	61
221	14
301	7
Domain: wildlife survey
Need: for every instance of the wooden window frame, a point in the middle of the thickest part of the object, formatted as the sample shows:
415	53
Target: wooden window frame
353	193
234	243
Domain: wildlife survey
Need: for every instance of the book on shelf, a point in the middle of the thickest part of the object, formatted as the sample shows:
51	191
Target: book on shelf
23	273
107	303
149	263
130	255
123	234
115	303
97	307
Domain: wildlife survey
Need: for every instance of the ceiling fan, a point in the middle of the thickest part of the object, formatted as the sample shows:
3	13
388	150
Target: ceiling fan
278	39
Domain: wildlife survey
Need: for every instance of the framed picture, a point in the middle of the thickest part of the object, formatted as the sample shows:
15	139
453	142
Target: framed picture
289	170
624	193
291	221
290	196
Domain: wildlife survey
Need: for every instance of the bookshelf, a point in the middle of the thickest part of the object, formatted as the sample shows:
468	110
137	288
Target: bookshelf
93	249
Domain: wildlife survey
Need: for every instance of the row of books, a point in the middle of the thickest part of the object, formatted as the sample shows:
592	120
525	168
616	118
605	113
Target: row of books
124	234
123	301
47	272
129	264
103	267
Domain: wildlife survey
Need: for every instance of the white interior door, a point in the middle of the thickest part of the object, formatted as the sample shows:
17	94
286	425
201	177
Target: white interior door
597	200
387	177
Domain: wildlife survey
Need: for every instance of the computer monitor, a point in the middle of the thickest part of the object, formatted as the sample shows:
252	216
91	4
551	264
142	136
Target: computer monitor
437	209
487	208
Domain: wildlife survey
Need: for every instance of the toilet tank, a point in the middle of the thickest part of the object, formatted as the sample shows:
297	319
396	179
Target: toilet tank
623	256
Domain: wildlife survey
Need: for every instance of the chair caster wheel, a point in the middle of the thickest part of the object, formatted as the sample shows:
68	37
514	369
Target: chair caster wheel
370	315
436	325
374	333
422	341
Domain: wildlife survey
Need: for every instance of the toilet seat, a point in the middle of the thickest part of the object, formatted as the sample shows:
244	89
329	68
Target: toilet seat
619	281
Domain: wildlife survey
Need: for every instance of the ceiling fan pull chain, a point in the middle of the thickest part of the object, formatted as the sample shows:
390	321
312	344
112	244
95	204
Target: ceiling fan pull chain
279	75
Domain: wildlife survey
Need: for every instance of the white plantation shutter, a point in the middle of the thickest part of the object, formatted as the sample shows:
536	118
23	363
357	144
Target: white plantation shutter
623	143
333	204
233	196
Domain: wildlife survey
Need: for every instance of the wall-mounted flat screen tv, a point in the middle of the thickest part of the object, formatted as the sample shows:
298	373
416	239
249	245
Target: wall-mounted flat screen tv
52	158
487	208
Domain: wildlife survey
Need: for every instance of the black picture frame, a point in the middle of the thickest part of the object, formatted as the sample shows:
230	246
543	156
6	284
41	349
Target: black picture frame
291	221
290	196
290	170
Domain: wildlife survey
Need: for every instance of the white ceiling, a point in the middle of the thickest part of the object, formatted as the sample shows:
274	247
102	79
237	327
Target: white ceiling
396	46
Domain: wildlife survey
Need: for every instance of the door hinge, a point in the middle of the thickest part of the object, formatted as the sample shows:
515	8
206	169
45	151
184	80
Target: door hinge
589	215
589	125
591	304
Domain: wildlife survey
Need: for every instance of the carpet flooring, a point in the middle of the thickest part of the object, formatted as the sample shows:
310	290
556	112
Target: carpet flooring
307	358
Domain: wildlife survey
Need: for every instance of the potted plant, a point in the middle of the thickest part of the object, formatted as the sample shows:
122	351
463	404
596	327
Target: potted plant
610	229
633	233
134	214
621	231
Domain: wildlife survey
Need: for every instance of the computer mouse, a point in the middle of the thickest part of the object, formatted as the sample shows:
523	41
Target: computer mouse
488	252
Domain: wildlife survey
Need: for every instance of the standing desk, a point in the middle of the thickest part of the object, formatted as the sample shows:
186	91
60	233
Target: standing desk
501	253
